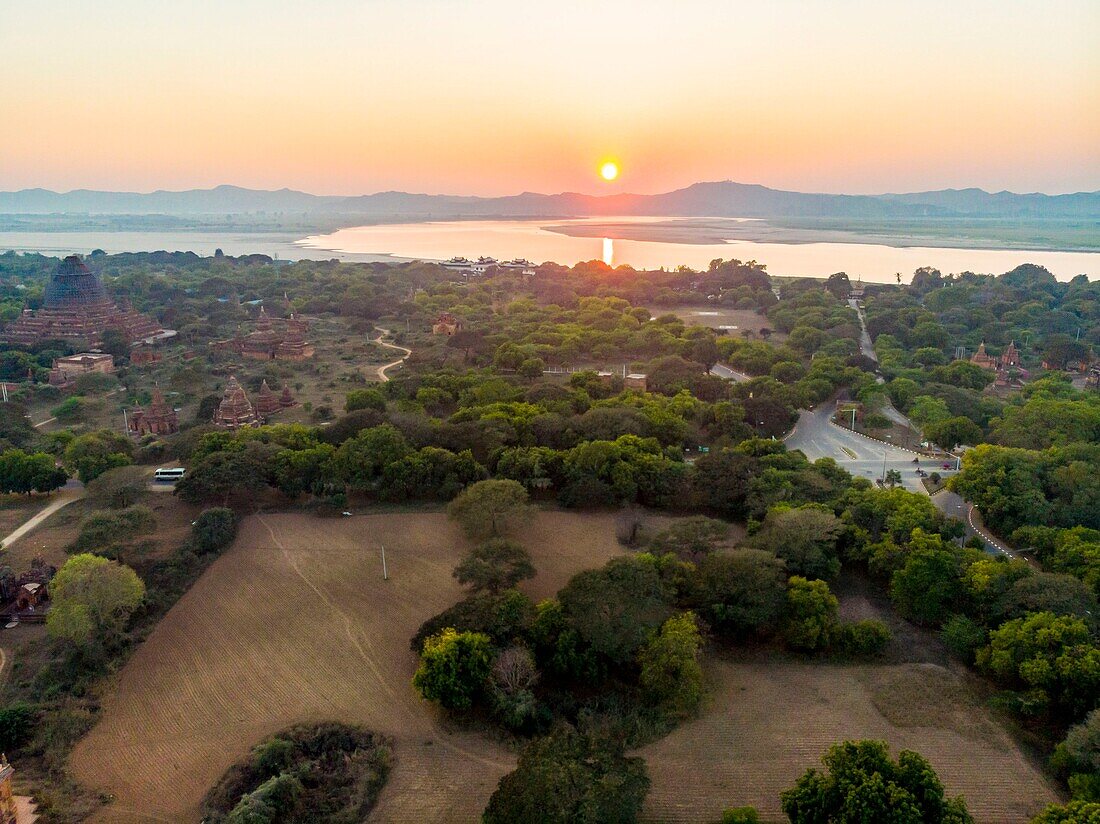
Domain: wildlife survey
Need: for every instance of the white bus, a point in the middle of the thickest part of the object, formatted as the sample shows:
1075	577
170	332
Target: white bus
168	475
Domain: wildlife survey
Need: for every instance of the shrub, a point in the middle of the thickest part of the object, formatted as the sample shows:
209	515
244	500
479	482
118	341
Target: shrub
671	675
453	668
324	772
16	725
103	532
569	777
214	529
963	636
862	639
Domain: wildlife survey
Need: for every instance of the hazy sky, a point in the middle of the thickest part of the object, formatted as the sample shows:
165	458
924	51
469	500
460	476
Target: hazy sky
501	96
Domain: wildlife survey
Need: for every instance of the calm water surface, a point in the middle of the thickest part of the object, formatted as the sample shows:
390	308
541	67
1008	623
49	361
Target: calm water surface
506	239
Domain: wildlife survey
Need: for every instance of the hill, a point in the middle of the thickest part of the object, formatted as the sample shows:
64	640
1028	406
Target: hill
718	199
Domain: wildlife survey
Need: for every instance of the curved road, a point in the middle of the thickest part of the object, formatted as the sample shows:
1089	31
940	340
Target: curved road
818	437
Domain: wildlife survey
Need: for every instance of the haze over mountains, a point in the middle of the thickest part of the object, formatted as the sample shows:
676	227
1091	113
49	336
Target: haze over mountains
719	199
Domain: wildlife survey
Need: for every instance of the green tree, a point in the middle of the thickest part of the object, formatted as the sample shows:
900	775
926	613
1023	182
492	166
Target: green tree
26	473
365	399
950	432
214	529
927	588
811	619
495	565
1051	658
489	508
570	778
361	460
671	676
614	609
804	537
453	668
119	488
741	592
90	455
861	783
220	475
92	599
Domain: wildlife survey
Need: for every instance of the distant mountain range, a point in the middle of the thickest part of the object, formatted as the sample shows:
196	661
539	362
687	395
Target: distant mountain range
721	199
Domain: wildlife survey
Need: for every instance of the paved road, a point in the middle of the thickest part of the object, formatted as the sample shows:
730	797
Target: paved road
723	371
866	345
818	437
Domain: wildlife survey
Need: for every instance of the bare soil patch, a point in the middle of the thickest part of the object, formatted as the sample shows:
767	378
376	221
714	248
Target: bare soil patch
769	719
293	625
729	321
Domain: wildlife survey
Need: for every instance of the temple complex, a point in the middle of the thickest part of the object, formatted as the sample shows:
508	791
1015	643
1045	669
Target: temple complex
1006	365
269	342
446	324
160	419
66	370
235	410
76	307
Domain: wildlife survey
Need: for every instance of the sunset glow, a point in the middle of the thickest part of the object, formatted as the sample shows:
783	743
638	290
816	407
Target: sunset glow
471	98
609	171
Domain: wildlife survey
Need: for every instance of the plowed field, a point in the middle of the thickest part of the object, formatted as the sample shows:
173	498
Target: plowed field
295	624
767	721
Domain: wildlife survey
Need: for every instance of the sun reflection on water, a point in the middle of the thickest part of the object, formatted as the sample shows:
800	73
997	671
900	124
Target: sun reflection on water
609	251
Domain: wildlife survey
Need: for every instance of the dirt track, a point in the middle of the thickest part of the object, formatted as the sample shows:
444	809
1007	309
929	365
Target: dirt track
295	624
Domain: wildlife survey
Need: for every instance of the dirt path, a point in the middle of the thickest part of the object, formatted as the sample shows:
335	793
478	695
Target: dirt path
59	499
382	333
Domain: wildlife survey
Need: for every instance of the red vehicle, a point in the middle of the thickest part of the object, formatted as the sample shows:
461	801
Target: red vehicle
947	466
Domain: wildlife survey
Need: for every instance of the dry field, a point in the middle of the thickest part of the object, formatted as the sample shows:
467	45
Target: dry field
768	719
716	317
295	624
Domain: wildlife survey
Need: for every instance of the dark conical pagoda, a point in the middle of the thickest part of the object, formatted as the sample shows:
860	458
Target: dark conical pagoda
76	307
267	402
286	400
235	410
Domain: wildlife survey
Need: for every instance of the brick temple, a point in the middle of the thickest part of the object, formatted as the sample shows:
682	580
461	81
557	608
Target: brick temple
269	342
236	410
158	419
76	307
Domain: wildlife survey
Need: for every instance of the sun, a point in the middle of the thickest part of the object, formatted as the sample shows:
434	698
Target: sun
609	170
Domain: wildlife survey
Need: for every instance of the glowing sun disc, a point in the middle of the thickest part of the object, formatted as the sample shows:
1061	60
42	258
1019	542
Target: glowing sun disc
609	171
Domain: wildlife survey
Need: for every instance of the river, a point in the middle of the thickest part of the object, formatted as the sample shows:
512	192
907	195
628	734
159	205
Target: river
507	239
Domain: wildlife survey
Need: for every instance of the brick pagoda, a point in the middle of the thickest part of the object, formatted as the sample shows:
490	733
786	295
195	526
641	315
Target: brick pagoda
160	419
235	410
76	307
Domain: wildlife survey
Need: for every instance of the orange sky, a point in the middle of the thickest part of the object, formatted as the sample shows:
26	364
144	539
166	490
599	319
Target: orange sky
495	97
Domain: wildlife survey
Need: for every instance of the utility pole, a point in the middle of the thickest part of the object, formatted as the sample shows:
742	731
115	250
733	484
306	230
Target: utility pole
884	466
385	574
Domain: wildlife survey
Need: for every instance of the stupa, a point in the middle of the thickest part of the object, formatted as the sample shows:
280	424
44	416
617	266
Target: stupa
76	307
235	410
267	402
